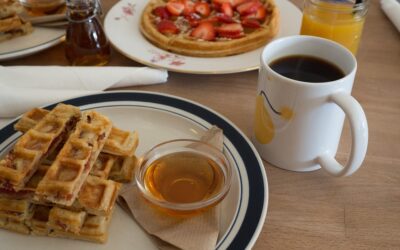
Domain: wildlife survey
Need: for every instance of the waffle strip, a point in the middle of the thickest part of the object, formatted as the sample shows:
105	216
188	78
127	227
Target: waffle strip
66	175
119	142
123	169
22	161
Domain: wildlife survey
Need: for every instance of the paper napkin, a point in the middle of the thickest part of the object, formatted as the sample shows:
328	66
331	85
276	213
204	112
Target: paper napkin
199	232
25	87
392	10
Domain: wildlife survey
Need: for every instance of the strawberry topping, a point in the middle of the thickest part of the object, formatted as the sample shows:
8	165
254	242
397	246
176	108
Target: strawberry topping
204	31
251	23
167	27
175	7
226	8
232	30
248	7
223	18
202	8
161	12
259	14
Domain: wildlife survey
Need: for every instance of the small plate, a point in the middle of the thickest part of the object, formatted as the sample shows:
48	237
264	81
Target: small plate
159	118
40	39
122	28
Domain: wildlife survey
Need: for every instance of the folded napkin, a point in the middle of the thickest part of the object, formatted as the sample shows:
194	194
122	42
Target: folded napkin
25	87
392	10
199	232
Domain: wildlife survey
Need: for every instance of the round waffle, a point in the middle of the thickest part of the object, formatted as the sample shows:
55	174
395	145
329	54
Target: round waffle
225	27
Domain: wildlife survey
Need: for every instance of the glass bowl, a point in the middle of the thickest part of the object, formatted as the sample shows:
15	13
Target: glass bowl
184	176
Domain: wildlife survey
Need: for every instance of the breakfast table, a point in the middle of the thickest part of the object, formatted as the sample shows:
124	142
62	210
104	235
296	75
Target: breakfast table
311	210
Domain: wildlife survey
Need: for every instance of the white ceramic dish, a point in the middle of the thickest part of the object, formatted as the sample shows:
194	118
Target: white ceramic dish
159	118
122	28
38	40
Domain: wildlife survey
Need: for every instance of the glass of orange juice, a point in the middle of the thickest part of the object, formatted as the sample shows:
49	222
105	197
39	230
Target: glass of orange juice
338	20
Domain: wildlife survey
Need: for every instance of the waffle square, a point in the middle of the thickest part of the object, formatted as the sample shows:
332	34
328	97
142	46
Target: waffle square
103	165
61	219
13	225
67	173
98	196
22	161
30	119
121	142
38	220
14	209
123	169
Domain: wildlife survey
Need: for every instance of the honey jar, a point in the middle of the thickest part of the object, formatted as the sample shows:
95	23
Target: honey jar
86	41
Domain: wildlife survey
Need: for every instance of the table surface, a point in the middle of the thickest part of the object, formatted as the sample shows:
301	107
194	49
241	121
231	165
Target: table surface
314	210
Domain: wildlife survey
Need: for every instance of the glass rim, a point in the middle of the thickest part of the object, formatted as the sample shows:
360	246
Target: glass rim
184	206
356	6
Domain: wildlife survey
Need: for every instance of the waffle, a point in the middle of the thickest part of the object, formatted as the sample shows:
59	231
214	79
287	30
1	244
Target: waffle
103	165
14	209
13	225
65	220
38	220
27	154
123	169
179	39
119	142
98	196
94	228
66	175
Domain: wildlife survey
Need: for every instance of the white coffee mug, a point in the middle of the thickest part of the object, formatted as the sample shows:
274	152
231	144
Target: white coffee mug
298	124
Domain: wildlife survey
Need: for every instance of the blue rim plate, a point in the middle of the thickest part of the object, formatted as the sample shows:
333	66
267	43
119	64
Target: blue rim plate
158	117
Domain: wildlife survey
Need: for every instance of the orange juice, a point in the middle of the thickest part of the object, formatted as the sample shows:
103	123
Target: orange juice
340	21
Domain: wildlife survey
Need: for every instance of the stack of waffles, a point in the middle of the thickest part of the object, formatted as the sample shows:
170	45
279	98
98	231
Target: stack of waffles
62	176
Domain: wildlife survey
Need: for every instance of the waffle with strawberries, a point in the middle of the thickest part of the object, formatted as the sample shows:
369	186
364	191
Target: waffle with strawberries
210	28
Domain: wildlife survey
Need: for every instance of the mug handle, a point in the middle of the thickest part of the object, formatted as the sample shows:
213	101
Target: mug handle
359	132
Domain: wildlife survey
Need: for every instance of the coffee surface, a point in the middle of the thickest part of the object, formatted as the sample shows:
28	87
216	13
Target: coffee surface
307	69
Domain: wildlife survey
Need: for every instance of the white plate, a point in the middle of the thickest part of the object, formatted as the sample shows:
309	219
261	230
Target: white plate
158	118
38	40
122	28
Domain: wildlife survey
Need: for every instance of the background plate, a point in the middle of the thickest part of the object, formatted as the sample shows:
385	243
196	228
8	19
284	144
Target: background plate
158	118
38	40
122	28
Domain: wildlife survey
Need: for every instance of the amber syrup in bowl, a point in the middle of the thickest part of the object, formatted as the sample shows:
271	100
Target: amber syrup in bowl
86	42
184	177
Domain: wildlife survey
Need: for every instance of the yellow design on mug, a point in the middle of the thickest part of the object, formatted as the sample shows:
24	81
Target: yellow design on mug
264	128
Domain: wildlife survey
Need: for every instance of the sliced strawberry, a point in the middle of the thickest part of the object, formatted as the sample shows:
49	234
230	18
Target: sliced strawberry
238	2
167	27
175	7
259	14
193	19
232	30
202	8
161	12
226	8
248	7
189	7
220	2
223	18
204	31
251	23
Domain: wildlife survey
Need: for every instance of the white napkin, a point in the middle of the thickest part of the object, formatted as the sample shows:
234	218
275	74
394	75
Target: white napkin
25	87
392	10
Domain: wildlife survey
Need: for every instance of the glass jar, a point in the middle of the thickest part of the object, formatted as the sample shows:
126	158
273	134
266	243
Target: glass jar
86	42
339	20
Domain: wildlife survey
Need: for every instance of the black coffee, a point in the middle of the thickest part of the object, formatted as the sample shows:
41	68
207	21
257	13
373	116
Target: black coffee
307	69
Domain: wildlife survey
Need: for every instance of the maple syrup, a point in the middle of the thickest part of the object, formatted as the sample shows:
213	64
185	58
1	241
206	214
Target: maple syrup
86	42
183	177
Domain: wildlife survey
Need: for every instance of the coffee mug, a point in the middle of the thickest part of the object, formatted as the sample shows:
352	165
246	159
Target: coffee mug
298	123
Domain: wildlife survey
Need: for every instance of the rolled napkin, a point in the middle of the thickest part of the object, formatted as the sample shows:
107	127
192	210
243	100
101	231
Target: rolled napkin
199	232
25	87
392	10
